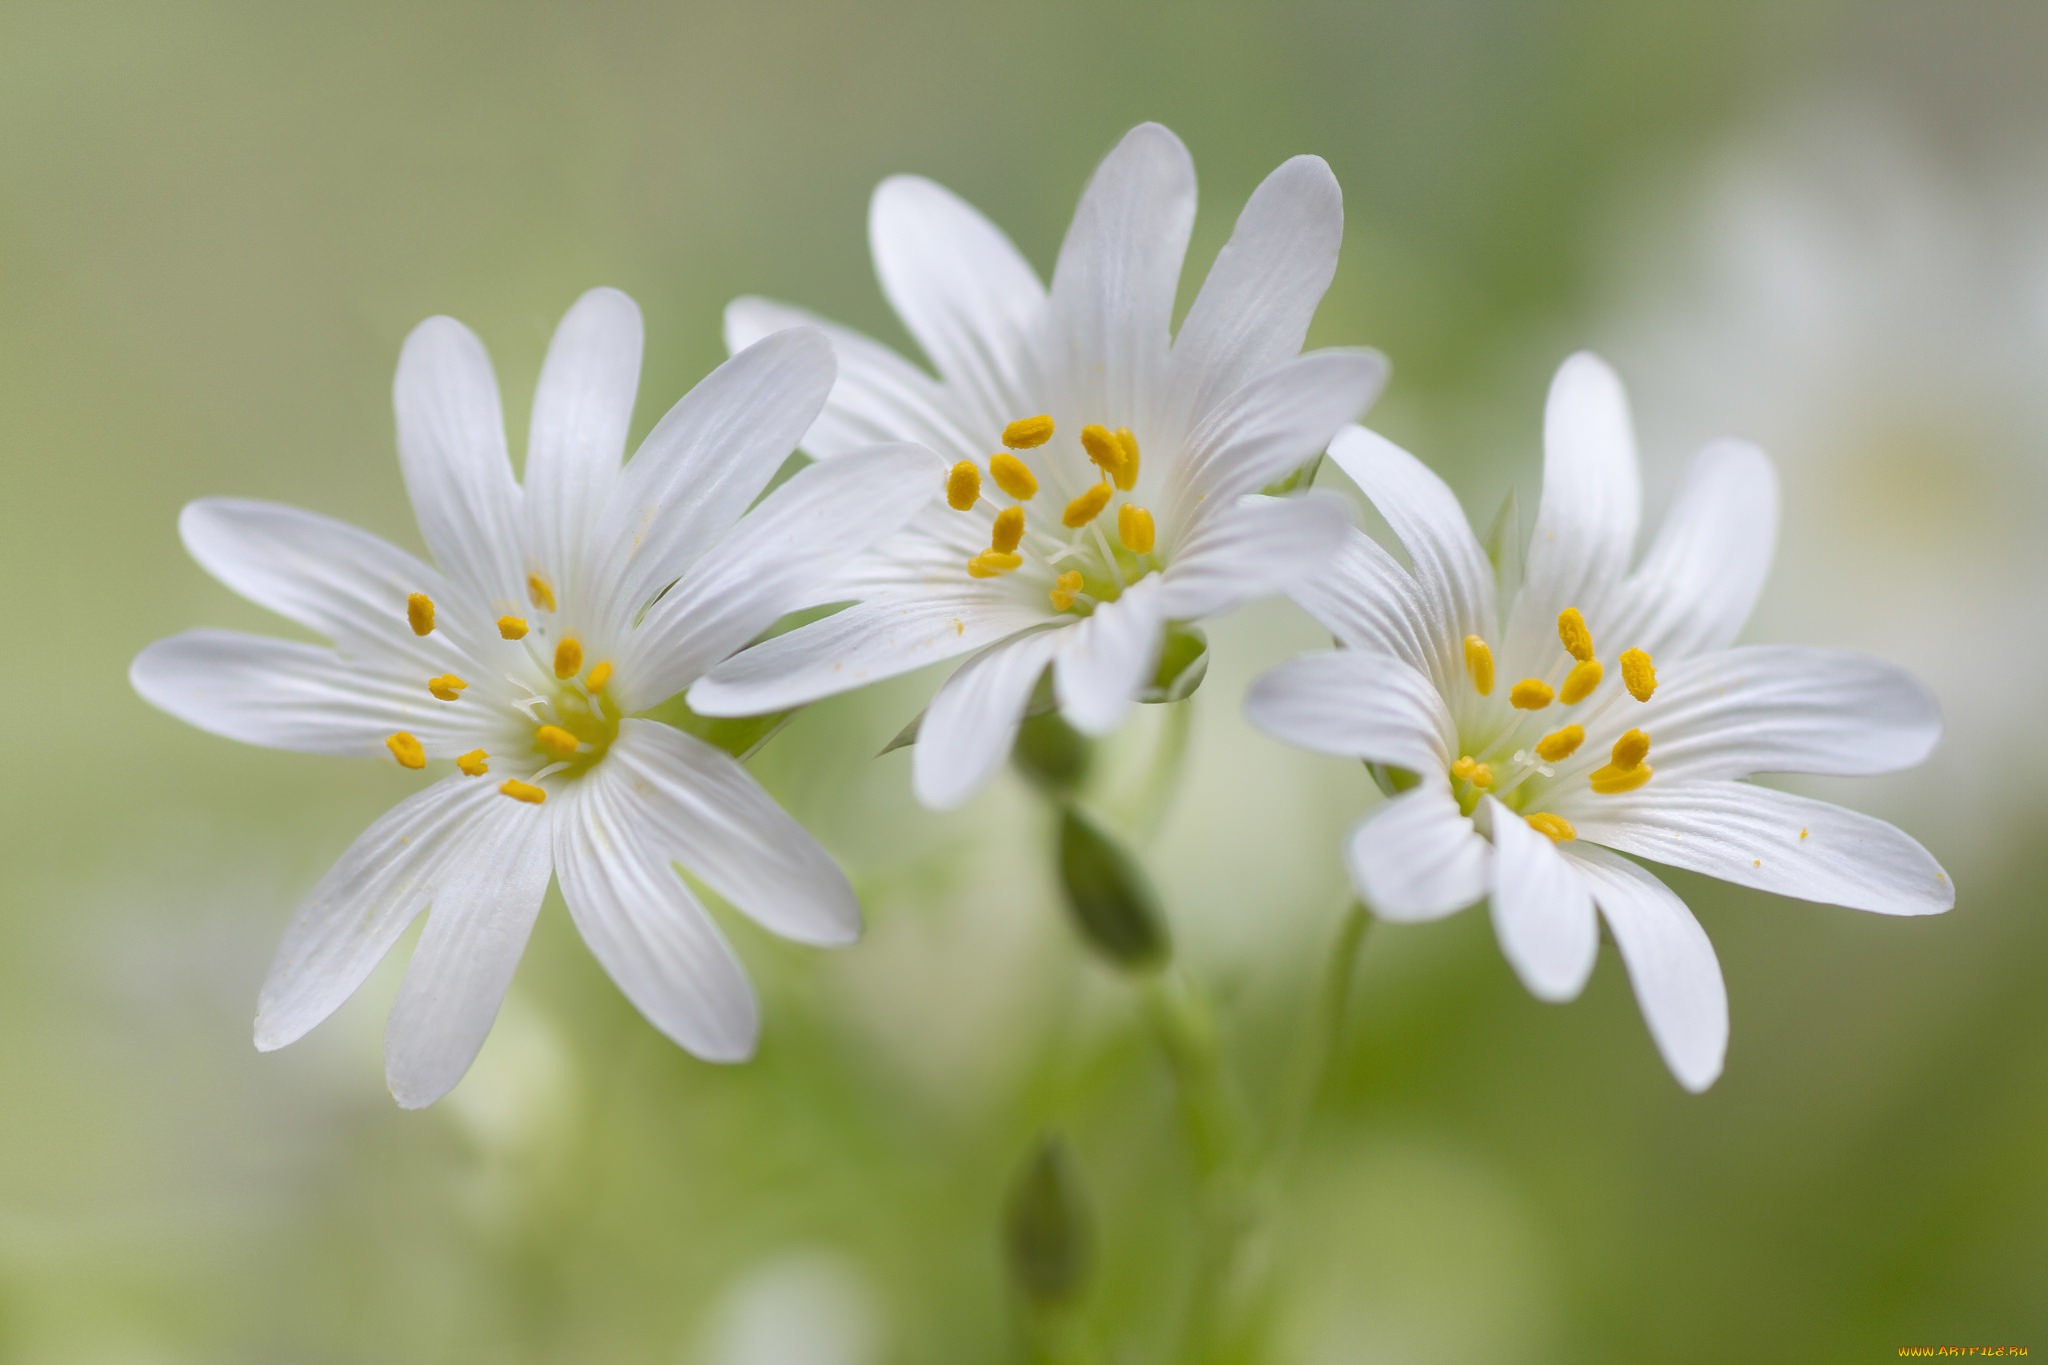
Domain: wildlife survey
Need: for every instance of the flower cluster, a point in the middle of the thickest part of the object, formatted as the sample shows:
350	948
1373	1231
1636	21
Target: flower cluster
1080	481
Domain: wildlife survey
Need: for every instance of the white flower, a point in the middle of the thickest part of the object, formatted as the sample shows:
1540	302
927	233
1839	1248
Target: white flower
558	611
1120	505
1521	758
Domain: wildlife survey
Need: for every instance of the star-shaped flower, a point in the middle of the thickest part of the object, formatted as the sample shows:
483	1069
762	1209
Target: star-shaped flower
559	611
1519	758
1100	463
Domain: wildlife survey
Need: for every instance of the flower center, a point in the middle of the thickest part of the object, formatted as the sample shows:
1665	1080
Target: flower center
1080	561
571	728
1520	757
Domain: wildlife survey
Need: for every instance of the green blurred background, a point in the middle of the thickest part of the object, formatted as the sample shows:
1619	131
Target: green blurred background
1823	225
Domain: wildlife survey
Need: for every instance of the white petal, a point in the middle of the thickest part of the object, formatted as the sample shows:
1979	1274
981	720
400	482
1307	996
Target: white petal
1772	841
973	720
1257	548
715	819
451	447
328	576
1368	601
1786	709
1702	574
771	563
284	694
1105	661
1269	427
703	464
1417	857
483	910
1542	910
962	290
1355	704
1671	965
1255	307
582	410
863	644
645	928
879	396
1112	291
362	905
1586	524
1452	574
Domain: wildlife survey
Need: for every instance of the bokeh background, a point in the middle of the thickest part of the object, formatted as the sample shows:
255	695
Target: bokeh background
1820	225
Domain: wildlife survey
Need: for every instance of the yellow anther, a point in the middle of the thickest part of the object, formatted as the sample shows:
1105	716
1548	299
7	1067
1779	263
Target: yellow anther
1631	749
1464	767
1028	433
472	763
511	627
447	687
1479	663
555	740
406	750
1134	528
1087	507
1103	448
1482	776
1066	588
540	592
1127	476
568	658
1638	674
523	791
990	563
1013	476
599	676
1612	781
963	486
1572	633
1802	832
1580	682
1560	744
1530	694
419	613
1008	530
1556	826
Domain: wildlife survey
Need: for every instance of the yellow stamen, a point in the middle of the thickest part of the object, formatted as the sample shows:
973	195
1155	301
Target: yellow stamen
1572	633
1028	433
1612	781
1638	674
568	658
1069	585
540	591
1134	528
1103	448
990	563
1560	744
1464	768
599	676
523	791
1802	832
1482	776
1580	682
1556	826
963	486
1479	663
472	763
406	750
511	627
1087	507
419	612
555	740
1530	694
1127	476
1013	476
1631	749
1008	530
447	687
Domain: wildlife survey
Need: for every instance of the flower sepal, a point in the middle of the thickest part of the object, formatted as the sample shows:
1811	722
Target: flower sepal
1183	663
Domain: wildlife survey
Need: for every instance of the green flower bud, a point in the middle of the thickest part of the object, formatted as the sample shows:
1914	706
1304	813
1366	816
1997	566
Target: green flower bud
1047	1236
1112	900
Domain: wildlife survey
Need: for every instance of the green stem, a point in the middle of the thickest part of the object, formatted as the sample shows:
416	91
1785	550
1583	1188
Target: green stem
1321	1031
